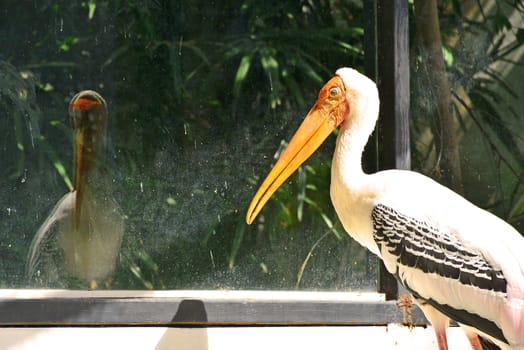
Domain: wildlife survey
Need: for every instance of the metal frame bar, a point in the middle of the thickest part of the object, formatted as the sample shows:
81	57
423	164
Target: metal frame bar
386	29
197	308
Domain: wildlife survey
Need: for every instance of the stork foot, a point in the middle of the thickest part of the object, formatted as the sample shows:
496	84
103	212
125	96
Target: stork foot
405	303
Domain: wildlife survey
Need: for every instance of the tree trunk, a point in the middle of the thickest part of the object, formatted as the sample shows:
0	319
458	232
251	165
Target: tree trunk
428	32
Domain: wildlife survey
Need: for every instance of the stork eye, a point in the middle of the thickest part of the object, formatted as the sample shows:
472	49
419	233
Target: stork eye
333	92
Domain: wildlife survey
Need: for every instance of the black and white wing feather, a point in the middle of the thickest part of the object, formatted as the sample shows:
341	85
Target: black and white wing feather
440	270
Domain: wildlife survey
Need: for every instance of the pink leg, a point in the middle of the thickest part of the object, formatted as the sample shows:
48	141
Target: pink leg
474	341
442	340
440	323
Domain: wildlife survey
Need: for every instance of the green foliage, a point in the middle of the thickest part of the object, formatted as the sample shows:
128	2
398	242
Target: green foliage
249	65
19	115
479	50
198	94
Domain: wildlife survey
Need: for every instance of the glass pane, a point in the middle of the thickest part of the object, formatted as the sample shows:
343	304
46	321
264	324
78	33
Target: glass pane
200	96
467	121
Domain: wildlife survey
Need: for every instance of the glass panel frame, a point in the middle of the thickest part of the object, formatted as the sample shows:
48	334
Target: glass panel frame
198	308
174	190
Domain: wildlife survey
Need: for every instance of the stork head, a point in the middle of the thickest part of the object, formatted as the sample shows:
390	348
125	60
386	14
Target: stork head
88	112
340	101
363	100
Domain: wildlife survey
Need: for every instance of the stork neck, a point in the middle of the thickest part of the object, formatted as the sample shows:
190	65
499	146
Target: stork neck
347	159
363	99
89	162
353	137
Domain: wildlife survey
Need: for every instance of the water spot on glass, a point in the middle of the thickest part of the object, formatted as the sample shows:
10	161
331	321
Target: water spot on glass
180	45
212	258
264	267
24	176
31	134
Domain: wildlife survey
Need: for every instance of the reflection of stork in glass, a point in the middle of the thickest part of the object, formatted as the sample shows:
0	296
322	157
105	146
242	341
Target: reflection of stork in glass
87	222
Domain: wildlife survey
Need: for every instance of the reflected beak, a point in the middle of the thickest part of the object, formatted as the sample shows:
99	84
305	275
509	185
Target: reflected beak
79	164
326	115
88	113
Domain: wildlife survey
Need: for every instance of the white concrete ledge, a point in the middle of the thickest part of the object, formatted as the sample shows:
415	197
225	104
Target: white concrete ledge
228	338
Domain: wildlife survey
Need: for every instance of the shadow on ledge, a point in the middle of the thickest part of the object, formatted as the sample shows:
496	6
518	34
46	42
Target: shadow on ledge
189	312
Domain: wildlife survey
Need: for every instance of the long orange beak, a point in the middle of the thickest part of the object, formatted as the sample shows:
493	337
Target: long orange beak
327	114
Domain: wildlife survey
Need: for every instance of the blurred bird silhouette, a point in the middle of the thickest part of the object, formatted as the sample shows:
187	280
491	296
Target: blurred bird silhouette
82	235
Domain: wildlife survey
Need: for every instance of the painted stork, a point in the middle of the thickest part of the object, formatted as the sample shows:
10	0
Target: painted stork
458	261
87	222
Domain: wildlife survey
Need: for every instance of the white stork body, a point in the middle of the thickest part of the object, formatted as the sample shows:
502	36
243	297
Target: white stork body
402	249
459	261
461	266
